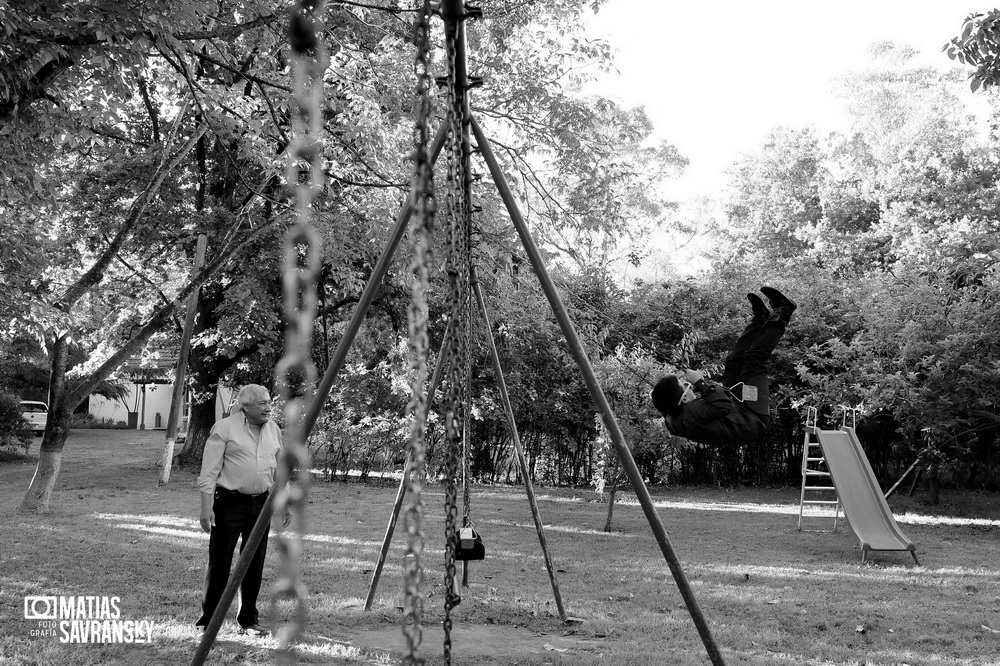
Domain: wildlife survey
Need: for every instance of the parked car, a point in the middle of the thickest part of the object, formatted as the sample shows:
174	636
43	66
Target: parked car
36	414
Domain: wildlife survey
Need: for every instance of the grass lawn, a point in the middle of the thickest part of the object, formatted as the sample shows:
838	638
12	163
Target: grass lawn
771	594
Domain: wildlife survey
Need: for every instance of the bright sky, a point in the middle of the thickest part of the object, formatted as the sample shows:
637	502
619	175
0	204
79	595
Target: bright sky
716	77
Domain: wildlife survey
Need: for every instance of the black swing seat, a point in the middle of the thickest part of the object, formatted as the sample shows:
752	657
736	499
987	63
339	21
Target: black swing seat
468	544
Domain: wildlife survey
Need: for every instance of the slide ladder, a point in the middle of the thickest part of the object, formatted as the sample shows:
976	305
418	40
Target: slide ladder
818	488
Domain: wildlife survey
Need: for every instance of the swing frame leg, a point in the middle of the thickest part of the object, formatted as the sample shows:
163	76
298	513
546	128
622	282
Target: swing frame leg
909	469
521	460
913	486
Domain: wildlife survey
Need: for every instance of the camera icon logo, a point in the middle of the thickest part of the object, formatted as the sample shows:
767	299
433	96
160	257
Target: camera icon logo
40	608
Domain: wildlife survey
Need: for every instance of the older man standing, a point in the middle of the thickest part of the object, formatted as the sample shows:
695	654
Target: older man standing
237	473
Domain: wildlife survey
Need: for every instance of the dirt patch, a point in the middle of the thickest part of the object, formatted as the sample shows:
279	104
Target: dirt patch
481	644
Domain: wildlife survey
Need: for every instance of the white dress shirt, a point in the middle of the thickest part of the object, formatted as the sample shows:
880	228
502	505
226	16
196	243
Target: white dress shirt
236	459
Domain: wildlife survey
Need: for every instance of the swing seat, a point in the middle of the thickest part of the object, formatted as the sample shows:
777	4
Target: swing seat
753	393
469	545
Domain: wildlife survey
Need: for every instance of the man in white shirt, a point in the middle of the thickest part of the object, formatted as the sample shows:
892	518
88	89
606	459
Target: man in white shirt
237	473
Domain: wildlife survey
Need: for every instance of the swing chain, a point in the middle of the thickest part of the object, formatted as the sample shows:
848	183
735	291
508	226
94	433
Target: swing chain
295	373
422	192
457	267
466	446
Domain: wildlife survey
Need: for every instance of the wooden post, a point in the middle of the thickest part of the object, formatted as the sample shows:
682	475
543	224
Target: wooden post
177	398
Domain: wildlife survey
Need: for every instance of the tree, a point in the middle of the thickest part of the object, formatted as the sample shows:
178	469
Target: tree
66	395
114	239
918	350
915	162
97	81
171	119
979	46
583	167
57	55
775	202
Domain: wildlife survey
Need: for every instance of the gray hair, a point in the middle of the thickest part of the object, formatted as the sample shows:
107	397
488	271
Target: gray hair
250	394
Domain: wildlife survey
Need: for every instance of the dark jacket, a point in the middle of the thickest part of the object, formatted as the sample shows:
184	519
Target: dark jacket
715	419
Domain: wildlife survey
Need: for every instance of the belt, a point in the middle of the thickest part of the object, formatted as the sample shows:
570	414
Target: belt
236	493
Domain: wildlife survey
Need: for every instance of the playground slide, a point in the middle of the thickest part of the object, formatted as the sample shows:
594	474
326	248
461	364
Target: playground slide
862	498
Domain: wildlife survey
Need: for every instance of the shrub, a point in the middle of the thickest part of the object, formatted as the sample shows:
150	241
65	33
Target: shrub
83	420
88	422
14	430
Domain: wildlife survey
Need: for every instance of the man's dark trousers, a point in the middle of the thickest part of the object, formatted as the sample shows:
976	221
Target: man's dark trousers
748	360
752	350
235	515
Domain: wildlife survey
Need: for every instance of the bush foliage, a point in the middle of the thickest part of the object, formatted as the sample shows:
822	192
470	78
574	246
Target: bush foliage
14	431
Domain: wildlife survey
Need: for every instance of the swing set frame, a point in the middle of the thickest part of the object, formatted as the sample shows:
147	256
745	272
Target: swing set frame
455	13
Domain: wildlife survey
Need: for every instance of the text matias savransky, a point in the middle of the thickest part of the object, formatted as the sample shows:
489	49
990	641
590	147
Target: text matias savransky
85	619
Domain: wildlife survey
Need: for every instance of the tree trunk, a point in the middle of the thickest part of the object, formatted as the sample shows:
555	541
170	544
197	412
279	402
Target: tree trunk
204	368
611	501
934	486
201	418
36	500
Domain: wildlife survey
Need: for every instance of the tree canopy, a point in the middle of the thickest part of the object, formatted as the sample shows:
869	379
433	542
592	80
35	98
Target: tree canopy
131	130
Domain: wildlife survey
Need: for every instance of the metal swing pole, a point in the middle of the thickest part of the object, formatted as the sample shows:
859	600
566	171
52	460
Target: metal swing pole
909	469
403	483
521	460
610	422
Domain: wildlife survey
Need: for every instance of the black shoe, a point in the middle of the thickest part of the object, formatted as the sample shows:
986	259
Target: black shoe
757	304
255	630
778	300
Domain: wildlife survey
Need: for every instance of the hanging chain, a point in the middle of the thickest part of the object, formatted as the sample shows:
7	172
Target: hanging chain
422	196
466	440
295	373
457	267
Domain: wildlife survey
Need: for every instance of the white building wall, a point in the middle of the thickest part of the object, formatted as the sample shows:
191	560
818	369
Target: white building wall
152	416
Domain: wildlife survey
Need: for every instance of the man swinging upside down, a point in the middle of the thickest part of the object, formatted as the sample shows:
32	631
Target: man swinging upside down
736	412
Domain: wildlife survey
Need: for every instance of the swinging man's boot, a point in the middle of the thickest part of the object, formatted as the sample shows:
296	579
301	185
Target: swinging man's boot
779	302
757	305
